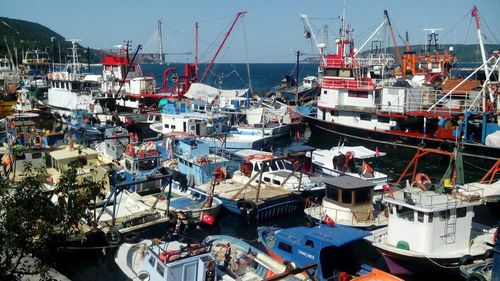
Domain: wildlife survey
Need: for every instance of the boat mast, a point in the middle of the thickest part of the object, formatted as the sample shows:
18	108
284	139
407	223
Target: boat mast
160	44
310	32
238	15
196	49
475	15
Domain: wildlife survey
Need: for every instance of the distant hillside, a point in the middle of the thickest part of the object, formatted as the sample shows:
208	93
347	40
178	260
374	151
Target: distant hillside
24	35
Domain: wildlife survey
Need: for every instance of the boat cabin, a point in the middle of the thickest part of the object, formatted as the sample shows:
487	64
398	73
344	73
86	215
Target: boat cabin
172	261
331	247
429	222
348	199
195	161
116	140
141	163
91	169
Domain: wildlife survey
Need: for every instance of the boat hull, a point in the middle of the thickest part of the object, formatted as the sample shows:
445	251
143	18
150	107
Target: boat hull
318	126
268	209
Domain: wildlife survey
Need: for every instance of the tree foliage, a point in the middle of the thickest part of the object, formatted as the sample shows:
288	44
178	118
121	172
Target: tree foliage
35	219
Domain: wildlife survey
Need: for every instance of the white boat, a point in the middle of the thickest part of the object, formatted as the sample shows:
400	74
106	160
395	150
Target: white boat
275	173
168	261
350	201
430	232
333	163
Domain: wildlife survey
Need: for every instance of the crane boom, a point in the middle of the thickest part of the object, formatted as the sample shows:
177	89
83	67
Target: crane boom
396	48
238	15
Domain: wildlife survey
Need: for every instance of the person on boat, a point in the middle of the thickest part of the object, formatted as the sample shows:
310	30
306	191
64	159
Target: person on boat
227	255
345	163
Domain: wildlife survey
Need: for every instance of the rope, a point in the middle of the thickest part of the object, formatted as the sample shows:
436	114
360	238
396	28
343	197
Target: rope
442	266
487	27
243	27
477	167
89	248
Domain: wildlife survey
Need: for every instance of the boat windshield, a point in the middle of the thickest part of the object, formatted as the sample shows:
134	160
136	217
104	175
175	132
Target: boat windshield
147	164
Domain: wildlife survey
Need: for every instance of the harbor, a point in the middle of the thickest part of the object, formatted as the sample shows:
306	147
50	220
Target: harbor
371	157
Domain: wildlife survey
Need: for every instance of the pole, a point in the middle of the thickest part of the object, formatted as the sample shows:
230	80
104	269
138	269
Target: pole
475	15
297	79
88	58
196	50
160	43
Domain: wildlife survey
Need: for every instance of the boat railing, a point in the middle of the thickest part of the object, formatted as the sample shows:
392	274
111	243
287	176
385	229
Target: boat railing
349	62
168	256
427	102
434	200
348	83
365	214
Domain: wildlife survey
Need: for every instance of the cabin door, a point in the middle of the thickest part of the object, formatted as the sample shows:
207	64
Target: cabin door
184	127
197	129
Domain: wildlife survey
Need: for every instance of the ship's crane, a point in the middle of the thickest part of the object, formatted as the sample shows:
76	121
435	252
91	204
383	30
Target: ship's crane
309	33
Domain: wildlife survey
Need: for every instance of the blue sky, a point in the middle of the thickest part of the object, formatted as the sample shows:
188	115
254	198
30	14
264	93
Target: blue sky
274	31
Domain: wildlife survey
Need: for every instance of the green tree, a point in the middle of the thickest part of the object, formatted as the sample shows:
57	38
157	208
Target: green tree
35	220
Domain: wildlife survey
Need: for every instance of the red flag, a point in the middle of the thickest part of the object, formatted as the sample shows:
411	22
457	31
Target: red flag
207	218
377	152
366	168
327	220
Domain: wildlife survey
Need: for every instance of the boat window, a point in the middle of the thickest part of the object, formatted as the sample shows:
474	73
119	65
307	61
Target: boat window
280	165
405	213
167	126
363	196
332	193
266	179
273	166
20	156
431	216
444	215
36	155
331	72
160	269
257	167
345	73
420	216
152	261
365	117
285	247
276	182
310	243
146	165
383	119
128	165
358	94
390	209
346	197
172	127
461	212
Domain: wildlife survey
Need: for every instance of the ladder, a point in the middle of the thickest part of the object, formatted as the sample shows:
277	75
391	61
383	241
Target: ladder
450	223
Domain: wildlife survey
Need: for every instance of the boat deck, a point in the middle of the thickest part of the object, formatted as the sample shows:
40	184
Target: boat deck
229	189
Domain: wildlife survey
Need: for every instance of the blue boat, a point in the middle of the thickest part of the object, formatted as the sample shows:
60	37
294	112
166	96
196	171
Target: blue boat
330	247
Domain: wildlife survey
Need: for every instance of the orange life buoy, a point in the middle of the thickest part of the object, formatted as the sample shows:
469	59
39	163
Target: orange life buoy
421	179
169	256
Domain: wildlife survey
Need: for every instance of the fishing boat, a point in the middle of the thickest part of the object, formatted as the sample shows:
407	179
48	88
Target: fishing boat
170	261
275	172
342	160
290	91
350	201
332	248
9	84
353	104
237	260
70	90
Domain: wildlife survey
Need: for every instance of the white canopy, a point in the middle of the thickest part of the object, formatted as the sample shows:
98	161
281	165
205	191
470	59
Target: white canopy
206	92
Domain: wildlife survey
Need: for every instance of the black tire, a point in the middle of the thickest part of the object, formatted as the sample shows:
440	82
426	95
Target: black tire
131	237
172	217
247	208
474	276
467	259
113	236
488	254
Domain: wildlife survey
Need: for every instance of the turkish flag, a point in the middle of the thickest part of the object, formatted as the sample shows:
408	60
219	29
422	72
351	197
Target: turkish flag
207	218
377	152
328	220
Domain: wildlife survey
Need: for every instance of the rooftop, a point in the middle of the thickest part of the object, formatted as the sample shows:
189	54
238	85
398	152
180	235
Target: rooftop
337	235
348	182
